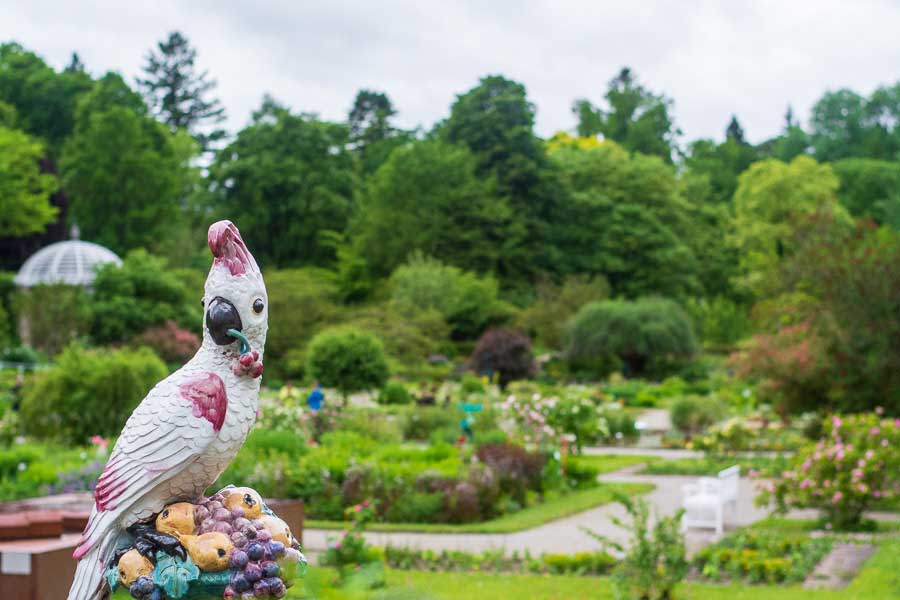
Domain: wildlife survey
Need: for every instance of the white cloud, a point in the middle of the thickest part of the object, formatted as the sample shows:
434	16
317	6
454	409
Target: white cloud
713	58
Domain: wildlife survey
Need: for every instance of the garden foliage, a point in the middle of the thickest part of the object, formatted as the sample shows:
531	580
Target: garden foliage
88	392
347	359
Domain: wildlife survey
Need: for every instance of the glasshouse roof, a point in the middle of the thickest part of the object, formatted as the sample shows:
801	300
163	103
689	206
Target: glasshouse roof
72	262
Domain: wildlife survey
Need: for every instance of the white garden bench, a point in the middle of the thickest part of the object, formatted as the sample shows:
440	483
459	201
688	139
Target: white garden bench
704	502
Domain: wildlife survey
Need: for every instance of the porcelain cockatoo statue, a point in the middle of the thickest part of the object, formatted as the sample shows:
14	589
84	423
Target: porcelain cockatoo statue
191	424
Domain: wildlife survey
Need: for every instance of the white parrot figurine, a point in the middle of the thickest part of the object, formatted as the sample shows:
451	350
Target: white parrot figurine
191	424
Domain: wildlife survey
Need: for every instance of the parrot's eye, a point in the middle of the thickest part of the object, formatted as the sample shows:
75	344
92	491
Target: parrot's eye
258	305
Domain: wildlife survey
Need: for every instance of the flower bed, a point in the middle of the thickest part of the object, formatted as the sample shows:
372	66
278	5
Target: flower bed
761	557
497	561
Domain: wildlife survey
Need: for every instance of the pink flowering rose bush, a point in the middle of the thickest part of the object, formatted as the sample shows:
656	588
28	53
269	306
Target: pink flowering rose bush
855	465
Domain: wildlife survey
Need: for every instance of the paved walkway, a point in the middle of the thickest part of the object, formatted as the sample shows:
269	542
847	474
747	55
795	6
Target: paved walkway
566	535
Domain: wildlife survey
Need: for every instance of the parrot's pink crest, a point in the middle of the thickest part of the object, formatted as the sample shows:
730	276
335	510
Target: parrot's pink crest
207	393
229	249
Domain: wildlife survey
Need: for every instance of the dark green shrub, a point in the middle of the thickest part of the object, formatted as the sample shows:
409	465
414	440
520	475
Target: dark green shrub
620	424
505	352
647	336
420	423
471	384
693	414
88	392
416	507
347	359
394	392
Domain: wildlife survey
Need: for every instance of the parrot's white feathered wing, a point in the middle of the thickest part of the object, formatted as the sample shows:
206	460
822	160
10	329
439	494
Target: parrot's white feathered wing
164	436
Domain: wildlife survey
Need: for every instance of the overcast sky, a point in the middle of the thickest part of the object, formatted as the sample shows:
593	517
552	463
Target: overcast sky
750	58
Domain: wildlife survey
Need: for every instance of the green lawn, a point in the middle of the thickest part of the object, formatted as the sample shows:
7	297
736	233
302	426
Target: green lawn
878	580
550	510
607	463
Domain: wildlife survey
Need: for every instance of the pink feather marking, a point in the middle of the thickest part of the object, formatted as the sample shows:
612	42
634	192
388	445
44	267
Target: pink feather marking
207	393
81	550
108	487
229	249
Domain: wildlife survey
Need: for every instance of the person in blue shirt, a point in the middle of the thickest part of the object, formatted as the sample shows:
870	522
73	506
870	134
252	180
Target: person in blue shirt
316	397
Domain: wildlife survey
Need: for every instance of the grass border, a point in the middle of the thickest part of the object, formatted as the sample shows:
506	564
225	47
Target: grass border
533	516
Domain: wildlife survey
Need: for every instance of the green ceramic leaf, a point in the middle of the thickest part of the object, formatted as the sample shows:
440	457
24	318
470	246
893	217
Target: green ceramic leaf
112	578
173	575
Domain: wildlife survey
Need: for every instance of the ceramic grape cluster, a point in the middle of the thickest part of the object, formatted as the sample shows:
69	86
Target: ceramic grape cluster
230	545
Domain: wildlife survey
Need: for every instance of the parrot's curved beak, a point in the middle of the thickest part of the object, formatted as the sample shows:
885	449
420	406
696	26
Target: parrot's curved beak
221	315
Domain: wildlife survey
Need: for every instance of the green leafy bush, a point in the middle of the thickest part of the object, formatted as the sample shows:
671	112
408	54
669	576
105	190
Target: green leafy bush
139	294
578	417
347	359
466	301
350	551
646	336
655	561
394	392
420	423
693	414
88	392
505	352
170	342
854	466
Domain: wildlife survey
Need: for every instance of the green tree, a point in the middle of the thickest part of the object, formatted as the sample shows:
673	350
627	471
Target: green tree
837	125
125	173
721	164
624	219
495	121
793	141
870	188
770	197
288	180
45	101
428	198
348	359
179	94
24	190
635	117
371	132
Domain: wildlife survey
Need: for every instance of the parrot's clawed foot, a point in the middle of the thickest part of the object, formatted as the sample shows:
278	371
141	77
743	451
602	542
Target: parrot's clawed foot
248	364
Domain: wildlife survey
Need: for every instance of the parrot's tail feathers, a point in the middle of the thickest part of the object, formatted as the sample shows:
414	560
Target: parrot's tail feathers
89	582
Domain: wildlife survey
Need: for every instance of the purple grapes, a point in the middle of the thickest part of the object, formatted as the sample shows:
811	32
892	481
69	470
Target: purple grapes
252	572
270	569
255	551
239	559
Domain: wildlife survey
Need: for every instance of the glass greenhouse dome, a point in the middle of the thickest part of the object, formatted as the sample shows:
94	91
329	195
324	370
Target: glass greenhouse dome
72	262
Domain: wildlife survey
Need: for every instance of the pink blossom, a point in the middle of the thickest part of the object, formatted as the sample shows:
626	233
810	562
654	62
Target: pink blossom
805	484
836	422
357	508
861	463
806	465
874	431
857	474
879	410
862	488
826	483
828	526
837	497
896	422
752	473
870	454
884	443
770	487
